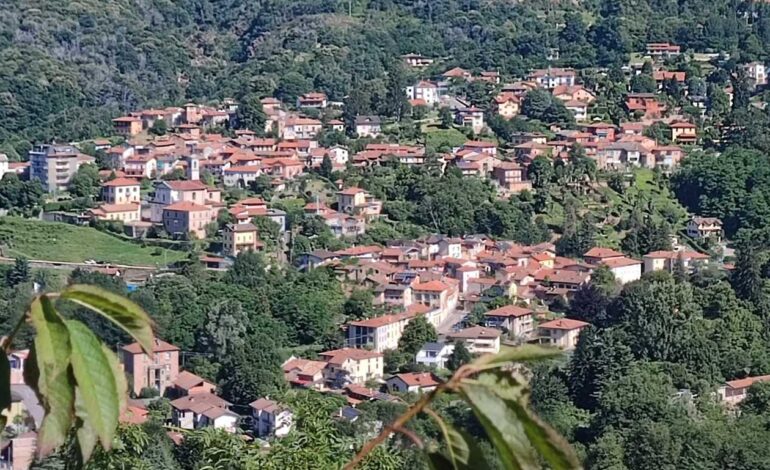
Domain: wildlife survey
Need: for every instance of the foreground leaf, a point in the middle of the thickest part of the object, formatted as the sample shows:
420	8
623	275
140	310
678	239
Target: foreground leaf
96	382
462	449
522	353
47	372
86	433
124	313
502	427
498	400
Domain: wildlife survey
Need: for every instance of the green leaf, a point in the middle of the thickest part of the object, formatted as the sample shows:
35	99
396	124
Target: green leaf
498	400
522	353
464	453
121	384
86	433
502	427
439	461
96	382
124	313
47	372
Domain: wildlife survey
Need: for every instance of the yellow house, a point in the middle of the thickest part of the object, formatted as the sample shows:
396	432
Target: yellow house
240	237
347	365
118	212
348	200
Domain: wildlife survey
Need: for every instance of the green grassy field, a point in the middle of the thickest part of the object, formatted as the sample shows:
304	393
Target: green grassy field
35	239
435	137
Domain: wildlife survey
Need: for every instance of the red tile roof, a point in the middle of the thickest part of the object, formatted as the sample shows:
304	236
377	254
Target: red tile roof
747	382
339	356
158	346
598	252
509	311
121	182
563	324
475	332
431	286
186	206
419	379
186	185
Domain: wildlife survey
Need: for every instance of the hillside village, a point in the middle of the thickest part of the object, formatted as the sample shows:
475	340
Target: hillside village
195	174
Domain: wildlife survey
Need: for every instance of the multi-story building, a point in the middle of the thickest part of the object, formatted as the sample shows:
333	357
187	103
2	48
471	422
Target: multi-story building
170	192
270	418
238	238
55	165
351	366
158	372
187	218
562	333
121	191
518	321
478	339
424	90
550	78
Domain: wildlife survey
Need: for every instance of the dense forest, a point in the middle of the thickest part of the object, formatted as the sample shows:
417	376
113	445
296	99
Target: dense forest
69	67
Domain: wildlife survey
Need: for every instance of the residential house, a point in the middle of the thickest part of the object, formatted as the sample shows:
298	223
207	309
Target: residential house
550	78
424	90
578	108
237	238
734	392
312	100
563	332
662	76
169	192
241	176
121	191
378	333
436	295
351	366
368	126
646	104
188	383
187	218
482	146
478	339
624	269
159	371
602	131
128	212
507	105
490	76
667	260
667	156
457	73
201	410
598	255
413	382
435	354
16	360
270	419
345	225
511	177
573	93
472	117
416	60
683	132
127	126
662	50
304	373
55	165
140	166
357	201
301	128
518	321
757	73
702	228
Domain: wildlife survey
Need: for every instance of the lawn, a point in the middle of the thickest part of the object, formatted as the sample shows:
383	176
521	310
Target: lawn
35	239
436	137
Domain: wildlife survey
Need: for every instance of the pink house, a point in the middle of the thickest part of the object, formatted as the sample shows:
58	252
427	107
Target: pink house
735	391
188	218
159	371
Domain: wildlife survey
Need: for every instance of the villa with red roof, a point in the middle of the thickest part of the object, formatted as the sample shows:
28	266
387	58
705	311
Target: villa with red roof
436	294
351	366
187	218
413	382
735	391
121	191
562	333
518	321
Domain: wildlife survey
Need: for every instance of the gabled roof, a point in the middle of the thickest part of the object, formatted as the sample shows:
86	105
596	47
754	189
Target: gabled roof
157	346
339	356
564	324
509	311
598	252
475	332
185	185
119	182
187	380
186	206
747	382
431	286
418	379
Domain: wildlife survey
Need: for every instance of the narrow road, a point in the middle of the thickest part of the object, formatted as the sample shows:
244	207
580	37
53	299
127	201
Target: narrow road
454	317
